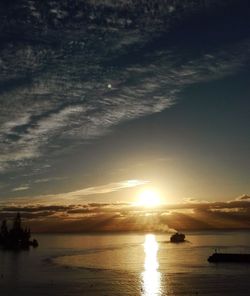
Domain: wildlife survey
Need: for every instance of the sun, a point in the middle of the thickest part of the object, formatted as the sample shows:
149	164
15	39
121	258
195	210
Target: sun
149	198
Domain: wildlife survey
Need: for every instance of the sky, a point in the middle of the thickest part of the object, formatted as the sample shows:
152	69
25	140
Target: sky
100	100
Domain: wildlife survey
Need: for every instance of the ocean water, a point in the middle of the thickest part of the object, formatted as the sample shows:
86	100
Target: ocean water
126	264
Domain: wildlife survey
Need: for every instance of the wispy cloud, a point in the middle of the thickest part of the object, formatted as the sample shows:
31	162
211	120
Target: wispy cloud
47	180
244	197
77	195
21	188
103	189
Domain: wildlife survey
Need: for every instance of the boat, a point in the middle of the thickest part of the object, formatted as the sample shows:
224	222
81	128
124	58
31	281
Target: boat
229	257
177	238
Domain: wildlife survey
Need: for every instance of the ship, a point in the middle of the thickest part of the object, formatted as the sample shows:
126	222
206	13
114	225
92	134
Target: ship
177	238
229	257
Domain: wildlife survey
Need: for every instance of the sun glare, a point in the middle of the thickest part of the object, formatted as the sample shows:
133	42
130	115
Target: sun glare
151	277
149	198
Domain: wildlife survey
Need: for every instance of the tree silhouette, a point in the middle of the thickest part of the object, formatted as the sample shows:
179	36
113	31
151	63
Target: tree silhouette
16	237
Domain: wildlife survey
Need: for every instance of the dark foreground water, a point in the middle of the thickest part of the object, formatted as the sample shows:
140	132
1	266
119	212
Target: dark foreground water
126	265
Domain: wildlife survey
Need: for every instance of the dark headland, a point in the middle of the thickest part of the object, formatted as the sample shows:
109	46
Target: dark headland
16	238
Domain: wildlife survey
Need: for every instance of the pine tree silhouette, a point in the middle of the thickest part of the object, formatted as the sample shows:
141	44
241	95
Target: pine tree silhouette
16	237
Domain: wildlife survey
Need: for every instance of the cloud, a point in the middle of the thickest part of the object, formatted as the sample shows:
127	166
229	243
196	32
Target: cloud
111	187
21	188
154	88
244	197
37	208
78	195
47	180
115	217
52	94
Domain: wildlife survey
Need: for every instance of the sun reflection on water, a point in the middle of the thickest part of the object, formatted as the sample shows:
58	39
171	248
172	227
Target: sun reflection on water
151	277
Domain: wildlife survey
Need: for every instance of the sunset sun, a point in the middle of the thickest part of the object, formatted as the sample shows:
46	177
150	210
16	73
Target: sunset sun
148	198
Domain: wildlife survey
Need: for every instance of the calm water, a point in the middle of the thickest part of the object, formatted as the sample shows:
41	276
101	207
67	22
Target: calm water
126	265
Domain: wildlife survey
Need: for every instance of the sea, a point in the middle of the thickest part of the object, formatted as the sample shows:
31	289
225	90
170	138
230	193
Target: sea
126	264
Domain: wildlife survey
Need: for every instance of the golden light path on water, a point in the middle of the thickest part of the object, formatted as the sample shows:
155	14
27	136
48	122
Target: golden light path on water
151	277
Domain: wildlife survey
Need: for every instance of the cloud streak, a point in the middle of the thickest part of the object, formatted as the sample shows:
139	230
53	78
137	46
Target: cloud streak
21	188
78	195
